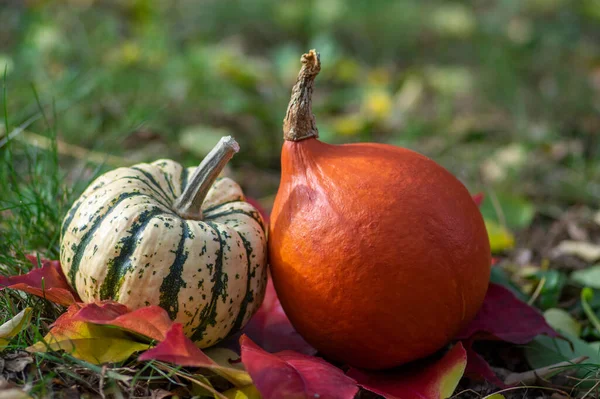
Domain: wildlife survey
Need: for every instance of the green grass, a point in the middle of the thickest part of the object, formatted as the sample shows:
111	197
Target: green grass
456	81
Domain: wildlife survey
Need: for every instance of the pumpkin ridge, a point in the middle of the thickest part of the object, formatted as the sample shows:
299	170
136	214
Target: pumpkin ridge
71	215
121	264
169	181
138	178
252	214
152	179
249	296
88	235
209	313
172	283
216	207
183	178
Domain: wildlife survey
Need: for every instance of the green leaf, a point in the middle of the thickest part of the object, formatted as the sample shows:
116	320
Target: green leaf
545	351
560	319
516	212
14	326
554	282
589	277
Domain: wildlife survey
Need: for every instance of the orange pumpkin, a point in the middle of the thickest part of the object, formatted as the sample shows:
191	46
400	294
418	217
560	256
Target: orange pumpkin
378	254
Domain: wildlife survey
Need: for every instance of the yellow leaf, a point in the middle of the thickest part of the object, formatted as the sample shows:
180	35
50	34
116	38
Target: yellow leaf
14	326
377	104
500	238
93	343
233	372
249	392
349	125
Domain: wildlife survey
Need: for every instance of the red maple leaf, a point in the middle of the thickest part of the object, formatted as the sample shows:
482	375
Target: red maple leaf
47	282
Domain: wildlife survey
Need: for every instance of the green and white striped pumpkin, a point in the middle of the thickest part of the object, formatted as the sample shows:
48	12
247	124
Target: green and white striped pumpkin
125	239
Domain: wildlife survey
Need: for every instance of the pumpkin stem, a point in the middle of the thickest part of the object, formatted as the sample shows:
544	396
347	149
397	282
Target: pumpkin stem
189	203
299	122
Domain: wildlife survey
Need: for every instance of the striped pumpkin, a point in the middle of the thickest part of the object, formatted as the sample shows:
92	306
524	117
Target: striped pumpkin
125	240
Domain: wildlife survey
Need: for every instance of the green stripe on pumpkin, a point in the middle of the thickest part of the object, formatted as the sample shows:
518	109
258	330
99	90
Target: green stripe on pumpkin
169	184
153	180
249	296
120	265
165	201
79	250
172	283
208	315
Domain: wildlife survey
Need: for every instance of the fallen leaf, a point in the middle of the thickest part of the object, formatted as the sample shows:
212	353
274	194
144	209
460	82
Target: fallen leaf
16	362
505	209
545	351
249	392
530	377
93	343
14	326
231	366
178	349
290	374
478	368
478	198
504	317
584	250
151	321
97	342
14	393
560	319
225	357
500	238
588	277
47	282
270	328
436	380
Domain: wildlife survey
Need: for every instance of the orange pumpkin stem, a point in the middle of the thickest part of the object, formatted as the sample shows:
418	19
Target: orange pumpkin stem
299	123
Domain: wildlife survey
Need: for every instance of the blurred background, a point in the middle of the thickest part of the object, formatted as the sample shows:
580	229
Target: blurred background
504	93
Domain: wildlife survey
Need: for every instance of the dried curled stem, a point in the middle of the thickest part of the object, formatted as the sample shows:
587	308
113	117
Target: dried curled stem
189	203
299	122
